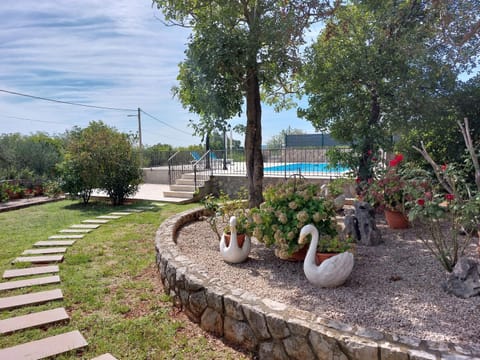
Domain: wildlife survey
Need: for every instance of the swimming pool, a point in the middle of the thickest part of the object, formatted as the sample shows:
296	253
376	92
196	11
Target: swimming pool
306	168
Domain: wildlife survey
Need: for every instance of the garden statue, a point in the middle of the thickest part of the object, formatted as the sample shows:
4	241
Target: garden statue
331	272
232	252
367	228
464	280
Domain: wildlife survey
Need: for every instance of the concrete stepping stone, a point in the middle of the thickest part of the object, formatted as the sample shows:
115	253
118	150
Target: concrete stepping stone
33	320
51	250
70	231
146	207
134	210
85	226
109	217
30	299
8	274
95	221
122	213
46	347
56	237
41	259
106	356
10	285
55	243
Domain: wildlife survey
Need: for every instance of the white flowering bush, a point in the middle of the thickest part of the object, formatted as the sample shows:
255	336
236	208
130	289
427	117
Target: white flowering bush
287	208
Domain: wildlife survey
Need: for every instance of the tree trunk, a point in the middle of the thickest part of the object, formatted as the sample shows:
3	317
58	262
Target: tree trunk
365	170
253	140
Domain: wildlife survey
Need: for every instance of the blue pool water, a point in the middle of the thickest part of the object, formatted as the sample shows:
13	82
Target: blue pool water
305	167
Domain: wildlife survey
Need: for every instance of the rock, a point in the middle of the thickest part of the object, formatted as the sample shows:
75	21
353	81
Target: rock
212	322
339	202
464	281
367	228
272	351
351	225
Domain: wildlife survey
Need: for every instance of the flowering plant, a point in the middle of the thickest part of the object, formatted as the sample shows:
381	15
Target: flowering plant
395	187
287	208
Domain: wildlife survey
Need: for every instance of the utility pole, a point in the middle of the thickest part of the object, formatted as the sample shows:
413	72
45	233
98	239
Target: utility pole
139	130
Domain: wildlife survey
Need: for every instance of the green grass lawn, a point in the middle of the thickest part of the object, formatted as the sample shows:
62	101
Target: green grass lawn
110	285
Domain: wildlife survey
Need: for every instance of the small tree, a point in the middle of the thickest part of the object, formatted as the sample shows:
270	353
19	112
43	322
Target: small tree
101	157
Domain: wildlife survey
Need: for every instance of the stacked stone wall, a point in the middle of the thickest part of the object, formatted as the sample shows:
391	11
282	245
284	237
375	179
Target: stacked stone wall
271	329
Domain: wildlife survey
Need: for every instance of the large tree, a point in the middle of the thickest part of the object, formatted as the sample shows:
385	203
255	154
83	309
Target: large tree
371	75
237	49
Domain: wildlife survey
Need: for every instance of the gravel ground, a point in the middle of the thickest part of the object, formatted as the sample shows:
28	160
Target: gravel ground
394	287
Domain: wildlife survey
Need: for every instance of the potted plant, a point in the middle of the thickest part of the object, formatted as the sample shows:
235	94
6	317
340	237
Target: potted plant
287	208
394	189
243	227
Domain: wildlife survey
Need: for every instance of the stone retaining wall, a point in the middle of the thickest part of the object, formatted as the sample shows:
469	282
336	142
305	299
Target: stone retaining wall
271	329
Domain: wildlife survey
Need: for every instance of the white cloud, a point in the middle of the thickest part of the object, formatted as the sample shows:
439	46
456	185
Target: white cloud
113	53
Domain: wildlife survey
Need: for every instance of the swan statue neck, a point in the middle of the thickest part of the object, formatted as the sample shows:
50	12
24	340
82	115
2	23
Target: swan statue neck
312	248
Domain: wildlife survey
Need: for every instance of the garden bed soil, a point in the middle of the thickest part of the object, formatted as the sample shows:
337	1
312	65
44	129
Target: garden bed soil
395	287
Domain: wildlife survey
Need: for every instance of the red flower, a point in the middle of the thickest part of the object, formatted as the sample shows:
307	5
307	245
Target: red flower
396	160
421	202
444	167
369	152
374	159
357	180
449	197
428	195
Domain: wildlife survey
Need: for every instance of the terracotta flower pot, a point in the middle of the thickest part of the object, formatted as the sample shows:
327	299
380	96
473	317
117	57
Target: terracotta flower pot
240	239
396	219
300	255
320	257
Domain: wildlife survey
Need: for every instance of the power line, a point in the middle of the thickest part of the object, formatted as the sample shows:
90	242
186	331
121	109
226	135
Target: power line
164	123
28	119
66	102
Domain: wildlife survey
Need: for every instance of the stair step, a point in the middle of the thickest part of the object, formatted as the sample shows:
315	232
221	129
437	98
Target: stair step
185	182
9	285
33	320
120	213
8	274
55	243
106	356
30	299
39	259
51	250
46	347
178	194
189	188
59	237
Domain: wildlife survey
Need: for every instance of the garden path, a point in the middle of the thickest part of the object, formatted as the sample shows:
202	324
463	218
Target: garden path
52	345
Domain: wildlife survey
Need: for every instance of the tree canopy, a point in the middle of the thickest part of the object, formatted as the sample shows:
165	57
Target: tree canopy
238	49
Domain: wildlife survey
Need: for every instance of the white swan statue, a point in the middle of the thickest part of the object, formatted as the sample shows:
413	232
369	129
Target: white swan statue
233	253
331	272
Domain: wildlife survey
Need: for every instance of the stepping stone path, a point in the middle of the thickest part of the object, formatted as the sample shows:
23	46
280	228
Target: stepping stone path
58	344
10	285
85	226
69	231
43	348
55	243
8	274
53	237
39	259
40	297
33	320
95	221
51	250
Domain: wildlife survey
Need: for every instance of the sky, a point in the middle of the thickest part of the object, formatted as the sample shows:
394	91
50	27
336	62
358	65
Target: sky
108	53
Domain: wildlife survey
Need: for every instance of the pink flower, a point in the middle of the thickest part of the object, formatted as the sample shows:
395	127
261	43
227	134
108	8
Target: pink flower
421	202
449	197
369	152
444	167
428	195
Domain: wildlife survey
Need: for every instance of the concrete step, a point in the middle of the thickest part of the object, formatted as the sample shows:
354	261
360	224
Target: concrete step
38	270
189	188
38	259
55	243
190	176
106	356
95	221
12	302
40	318
120	213
50	346
75	231
109	217
187	182
178	194
85	226
45	280
58	237
43	251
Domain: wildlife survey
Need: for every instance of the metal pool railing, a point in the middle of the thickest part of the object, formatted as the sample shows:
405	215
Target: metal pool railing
284	162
